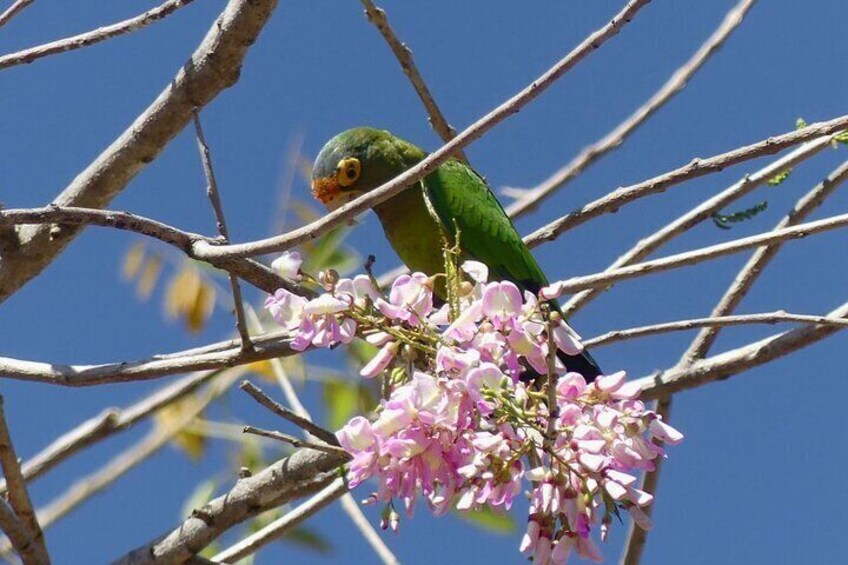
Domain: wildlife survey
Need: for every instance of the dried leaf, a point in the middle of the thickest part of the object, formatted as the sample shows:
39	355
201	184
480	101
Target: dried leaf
149	276
201	308
192	442
133	260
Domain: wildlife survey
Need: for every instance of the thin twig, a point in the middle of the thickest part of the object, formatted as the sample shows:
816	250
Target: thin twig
432	161
777	317
403	54
214	356
349	505
283	525
613	201
758	261
283	412
293	441
152	442
19	500
215	199
13	10
214	66
702	212
91	37
529	199
702	343
113	421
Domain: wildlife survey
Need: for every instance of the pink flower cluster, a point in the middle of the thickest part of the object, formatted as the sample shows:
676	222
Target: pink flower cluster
466	423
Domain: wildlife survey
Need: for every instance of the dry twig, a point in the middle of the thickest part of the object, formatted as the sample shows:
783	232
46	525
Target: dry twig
13	10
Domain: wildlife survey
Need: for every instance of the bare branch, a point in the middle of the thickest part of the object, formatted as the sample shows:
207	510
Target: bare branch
91	37
403	54
293	441
528	200
214	66
252	271
20	540
303	473
36	550
702	212
703	254
777	317
400	183
283	412
215	199
157	438
735	361
613	201
112	421
762	257
14	10
281	526
214	356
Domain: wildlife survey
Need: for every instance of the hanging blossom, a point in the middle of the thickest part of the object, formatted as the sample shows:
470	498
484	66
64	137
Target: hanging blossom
465	422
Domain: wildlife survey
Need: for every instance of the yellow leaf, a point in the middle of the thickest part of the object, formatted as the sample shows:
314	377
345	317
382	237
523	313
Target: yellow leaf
182	291
133	260
201	308
149	276
190	441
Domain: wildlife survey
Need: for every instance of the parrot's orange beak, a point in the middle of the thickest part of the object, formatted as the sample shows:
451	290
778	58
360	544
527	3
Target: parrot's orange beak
329	192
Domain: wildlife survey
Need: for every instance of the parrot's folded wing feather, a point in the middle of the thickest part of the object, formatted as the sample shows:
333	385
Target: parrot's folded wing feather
462	200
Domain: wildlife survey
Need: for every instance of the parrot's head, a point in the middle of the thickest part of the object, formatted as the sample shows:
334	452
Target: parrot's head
359	160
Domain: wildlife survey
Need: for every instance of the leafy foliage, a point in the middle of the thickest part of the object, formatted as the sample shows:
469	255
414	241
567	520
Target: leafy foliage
726	221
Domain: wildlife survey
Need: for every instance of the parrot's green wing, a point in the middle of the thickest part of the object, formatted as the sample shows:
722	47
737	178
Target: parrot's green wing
462	200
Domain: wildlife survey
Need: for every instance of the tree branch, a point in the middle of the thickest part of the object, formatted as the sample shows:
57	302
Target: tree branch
403	54
529	199
215	199
281	526
214	66
91	37
304	423
295	442
777	317
613	201
702	212
36	550
303	473
13	10
347	212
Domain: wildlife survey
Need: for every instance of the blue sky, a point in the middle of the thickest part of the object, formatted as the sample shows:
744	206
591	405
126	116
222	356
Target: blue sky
753	483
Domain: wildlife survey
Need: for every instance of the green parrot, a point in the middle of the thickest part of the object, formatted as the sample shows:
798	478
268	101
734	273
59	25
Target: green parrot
417	220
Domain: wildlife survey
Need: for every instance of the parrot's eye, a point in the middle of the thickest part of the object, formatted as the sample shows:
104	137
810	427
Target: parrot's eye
347	171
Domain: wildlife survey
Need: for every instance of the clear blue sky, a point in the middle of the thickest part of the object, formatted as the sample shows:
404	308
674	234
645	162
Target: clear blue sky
756	480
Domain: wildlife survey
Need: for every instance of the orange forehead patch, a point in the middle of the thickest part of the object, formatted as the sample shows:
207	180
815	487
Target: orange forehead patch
325	189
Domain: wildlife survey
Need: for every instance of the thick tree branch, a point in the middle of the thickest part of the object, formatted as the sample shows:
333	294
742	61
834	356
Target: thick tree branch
527	200
279	527
214	66
403	54
702	212
91	37
303	473
613	201
347	212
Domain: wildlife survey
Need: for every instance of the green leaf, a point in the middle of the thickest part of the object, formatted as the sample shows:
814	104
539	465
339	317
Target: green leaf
841	137
800	123
491	521
726	221
341	399
779	177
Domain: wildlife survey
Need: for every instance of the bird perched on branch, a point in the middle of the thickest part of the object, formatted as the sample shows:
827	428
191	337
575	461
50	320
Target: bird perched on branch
419	220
